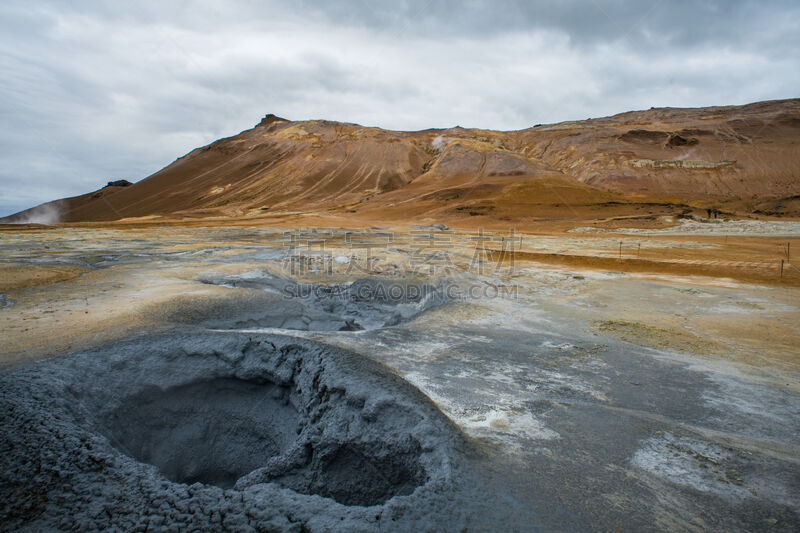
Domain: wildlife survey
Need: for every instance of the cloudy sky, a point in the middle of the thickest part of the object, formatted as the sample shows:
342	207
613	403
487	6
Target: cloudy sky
110	90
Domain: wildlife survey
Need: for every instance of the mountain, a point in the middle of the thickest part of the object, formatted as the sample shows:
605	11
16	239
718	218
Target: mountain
741	159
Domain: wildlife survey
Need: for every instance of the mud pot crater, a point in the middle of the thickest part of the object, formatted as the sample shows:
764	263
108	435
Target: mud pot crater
251	424
364	304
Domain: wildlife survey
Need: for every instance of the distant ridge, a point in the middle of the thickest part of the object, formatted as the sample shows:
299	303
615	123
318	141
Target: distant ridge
743	159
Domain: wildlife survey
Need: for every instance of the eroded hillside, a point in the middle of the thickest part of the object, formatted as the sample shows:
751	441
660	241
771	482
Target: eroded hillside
741	159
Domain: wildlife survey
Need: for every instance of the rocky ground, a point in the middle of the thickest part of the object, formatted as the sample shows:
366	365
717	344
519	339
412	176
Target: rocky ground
414	378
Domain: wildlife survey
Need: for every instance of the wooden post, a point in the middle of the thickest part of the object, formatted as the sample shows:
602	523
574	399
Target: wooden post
781	269
620	249
788	244
639	250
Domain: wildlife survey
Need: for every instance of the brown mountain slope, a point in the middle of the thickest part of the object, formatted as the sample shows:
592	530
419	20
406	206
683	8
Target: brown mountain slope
715	154
745	159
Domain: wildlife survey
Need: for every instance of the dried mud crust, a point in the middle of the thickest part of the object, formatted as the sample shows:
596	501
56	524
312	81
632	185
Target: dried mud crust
214	431
15	276
656	337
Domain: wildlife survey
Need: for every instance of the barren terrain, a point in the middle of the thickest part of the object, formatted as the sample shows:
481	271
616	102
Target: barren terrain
649	387
317	326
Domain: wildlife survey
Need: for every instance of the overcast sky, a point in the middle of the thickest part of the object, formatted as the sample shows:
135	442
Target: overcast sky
110	90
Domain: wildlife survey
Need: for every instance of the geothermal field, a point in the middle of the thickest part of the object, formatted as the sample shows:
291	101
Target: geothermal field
399	379
314	326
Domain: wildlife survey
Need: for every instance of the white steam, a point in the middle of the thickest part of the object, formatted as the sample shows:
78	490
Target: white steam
684	156
439	143
47	214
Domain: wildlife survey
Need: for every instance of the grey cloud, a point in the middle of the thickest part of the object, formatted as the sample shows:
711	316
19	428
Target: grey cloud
678	22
